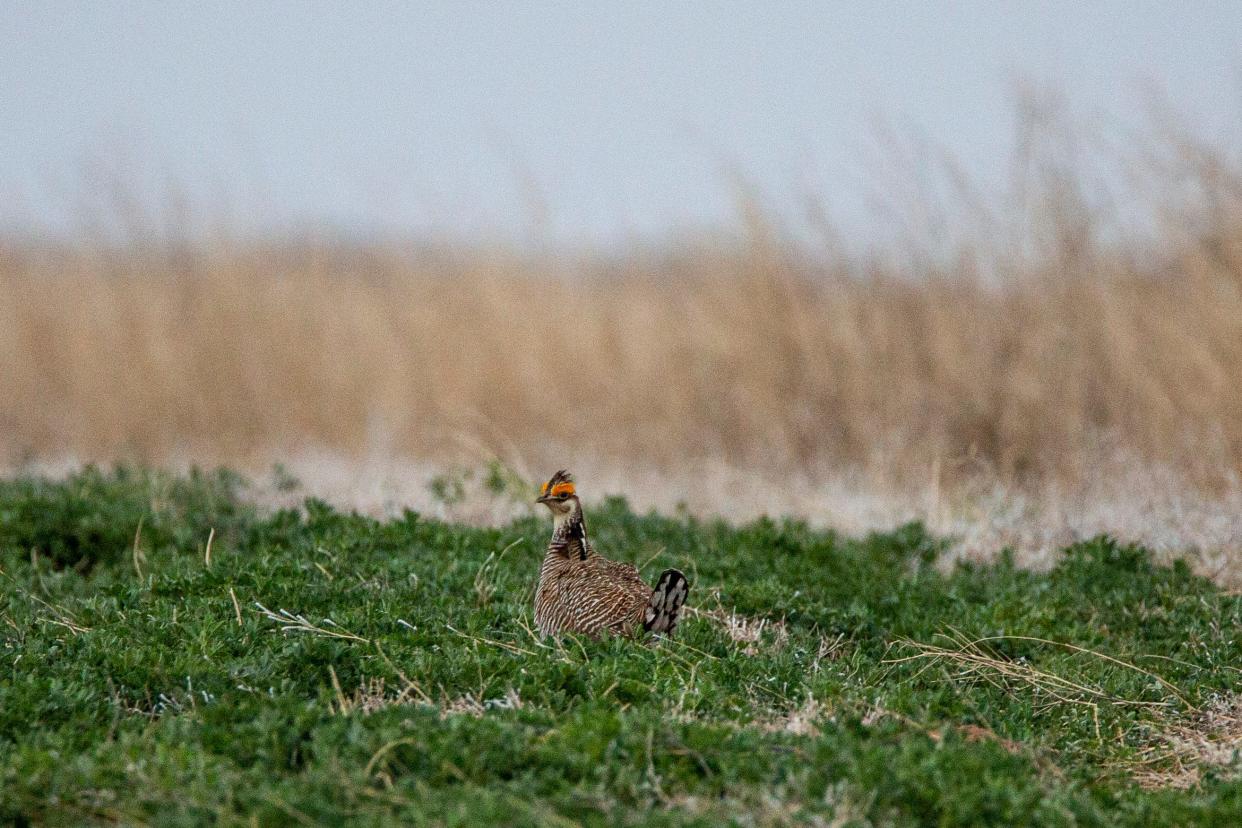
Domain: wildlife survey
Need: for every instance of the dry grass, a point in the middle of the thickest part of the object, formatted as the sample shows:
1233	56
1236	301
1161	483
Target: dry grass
1181	750
754	360
973	660
745	631
802	720
374	694
1013	371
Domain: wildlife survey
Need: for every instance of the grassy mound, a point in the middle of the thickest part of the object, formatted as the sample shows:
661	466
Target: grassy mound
322	667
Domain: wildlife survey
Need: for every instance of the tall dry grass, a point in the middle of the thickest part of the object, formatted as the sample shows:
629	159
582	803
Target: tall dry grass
742	355
1020	340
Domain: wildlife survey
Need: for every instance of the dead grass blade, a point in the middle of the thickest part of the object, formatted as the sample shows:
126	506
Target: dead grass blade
289	622
504	645
973	661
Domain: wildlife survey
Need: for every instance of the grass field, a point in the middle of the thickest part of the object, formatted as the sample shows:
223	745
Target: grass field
175	656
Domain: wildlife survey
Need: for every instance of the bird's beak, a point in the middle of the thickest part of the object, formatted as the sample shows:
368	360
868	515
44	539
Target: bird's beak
542	499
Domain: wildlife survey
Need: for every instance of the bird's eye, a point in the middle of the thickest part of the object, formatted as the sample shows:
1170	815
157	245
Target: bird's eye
563	495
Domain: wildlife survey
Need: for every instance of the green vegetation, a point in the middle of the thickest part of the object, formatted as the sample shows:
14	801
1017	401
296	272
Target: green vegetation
821	677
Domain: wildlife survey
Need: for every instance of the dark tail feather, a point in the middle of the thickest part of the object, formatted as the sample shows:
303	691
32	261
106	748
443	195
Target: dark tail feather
665	604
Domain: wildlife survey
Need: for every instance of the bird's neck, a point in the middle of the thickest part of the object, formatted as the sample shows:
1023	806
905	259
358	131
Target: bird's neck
569	537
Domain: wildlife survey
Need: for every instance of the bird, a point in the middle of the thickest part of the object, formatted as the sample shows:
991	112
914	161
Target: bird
580	591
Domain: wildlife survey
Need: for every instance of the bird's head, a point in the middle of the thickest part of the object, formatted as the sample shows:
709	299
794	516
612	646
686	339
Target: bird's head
559	496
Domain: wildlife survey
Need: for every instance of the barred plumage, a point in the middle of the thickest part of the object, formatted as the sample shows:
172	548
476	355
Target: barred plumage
582	592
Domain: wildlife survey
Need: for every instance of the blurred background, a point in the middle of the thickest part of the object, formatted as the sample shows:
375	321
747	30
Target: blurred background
977	264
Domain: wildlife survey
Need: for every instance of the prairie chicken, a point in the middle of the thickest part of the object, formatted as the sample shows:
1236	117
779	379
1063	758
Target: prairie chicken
583	592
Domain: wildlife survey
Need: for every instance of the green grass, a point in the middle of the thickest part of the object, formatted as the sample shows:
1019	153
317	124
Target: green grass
136	690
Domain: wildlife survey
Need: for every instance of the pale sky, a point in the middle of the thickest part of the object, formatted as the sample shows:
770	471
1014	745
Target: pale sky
591	121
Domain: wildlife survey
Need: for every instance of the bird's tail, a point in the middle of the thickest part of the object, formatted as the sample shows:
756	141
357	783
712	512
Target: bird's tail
665	604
